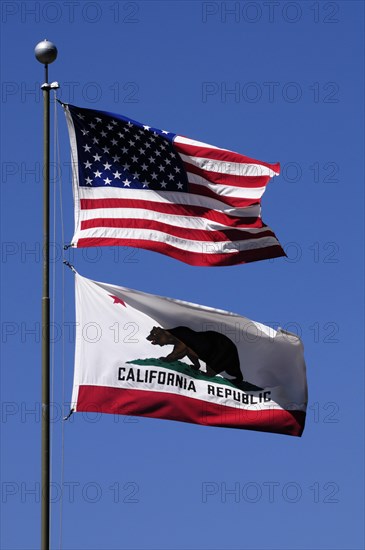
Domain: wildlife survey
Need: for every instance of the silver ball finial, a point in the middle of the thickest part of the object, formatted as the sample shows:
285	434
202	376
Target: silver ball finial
45	52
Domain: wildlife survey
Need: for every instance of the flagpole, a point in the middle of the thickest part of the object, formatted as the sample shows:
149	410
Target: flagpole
46	53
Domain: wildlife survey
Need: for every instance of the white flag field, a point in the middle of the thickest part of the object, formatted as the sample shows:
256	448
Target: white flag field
144	355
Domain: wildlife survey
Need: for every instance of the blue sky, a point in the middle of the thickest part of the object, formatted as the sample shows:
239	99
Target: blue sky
278	81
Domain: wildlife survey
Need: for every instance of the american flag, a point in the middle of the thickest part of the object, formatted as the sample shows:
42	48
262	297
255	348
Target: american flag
138	186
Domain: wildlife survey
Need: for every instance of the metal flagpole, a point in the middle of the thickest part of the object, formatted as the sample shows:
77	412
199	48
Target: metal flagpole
46	53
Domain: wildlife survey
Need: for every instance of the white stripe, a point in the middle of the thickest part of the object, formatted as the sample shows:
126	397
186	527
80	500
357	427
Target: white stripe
227	191
188	141
168	197
229	168
202	247
189	222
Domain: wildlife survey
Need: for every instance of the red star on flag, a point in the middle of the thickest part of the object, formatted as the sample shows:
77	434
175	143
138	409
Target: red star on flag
117	300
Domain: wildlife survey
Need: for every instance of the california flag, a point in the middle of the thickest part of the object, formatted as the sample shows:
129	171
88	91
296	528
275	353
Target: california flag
145	355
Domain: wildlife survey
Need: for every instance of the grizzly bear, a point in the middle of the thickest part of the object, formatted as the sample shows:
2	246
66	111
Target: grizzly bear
215	349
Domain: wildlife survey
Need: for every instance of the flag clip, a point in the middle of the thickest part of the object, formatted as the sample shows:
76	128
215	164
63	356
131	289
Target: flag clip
52	86
69	265
69	414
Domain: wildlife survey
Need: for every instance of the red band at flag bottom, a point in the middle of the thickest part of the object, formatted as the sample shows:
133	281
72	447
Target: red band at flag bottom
184	409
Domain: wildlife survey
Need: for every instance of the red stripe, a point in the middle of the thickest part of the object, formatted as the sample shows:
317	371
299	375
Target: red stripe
235	202
225	178
185	409
192	258
221	154
181	232
174	209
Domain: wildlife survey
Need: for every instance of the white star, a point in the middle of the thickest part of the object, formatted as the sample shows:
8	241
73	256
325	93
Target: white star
114	142
168	161
172	155
110	127
98	119
129	123
89	181
85	132
97	174
95	140
151	159
107	181
163	184
107	166
147	127
137	136
177	170
87	148
92	125
114	122
144	166
81	116
116	158
179	185
103	134
165	132
142	151
131	142
162	146
126	182
105	149
147	145
87	164
152	138
126	166
170	176
162	168
97	157
120	135
124	150
154	176
158	153
145	183
117	175
134	158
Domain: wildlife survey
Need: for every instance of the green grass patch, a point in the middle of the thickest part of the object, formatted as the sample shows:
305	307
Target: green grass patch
182	368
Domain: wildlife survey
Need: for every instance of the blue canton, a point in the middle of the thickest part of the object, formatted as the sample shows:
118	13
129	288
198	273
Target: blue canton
119	152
